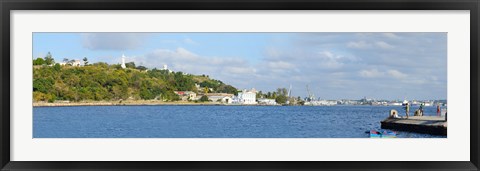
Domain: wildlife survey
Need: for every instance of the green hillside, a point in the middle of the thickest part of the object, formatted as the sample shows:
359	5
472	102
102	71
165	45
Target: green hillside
103	82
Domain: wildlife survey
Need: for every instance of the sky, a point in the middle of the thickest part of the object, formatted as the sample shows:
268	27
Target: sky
390	66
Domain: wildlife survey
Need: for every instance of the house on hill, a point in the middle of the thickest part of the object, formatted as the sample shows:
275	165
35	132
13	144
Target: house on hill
75	62
186	95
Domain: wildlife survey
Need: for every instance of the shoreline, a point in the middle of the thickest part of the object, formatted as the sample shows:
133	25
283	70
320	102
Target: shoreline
155	103
124	103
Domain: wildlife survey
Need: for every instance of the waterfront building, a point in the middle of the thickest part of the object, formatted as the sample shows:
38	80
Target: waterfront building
366	101
321	103
395	103
186	95
348	102
247	97
327	102
379	103
428	103
227	100
220	97
264	101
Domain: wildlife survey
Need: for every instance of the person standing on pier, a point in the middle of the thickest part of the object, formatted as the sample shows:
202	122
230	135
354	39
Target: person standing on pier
421	108
438	110
407	108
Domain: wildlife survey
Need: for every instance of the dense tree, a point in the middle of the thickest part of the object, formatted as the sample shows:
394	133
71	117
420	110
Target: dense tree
259	95
141	68
39	61
281	99
223	88
71	62
280	95
49	59
43	84
56	67
100	81
210	84
85	61
101	64
204	99
282	91
130	65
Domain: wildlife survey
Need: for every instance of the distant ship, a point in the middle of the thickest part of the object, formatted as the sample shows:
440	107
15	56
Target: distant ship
311	101
320	103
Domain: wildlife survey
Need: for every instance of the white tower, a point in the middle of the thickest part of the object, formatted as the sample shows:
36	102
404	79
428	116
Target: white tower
123	61
165	67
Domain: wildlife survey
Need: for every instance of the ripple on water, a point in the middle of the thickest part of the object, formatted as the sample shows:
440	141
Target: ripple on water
212	121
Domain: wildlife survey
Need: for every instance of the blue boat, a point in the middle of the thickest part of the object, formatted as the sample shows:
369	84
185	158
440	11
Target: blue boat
382	134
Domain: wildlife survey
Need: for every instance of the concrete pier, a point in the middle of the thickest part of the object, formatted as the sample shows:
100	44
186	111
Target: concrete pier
434	125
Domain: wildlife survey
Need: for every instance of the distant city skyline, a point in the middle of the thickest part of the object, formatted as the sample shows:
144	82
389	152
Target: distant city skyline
386	66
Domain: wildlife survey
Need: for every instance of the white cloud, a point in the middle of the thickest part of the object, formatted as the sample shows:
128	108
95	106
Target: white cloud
397	74
280	65
375	73
366	45
416	81
225	61
391	35
329	55
336	65
371	73
272	52
358	45
189	41
383	45
331	60
226	69
180	54
113	41
240	70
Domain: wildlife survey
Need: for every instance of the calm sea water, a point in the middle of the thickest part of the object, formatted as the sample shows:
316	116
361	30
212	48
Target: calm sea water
213	121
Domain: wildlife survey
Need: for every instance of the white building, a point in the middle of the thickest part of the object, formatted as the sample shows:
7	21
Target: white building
76	63
165	67
186	95
264	101
123	61
220	97
247	97
227	100
72	63
321	103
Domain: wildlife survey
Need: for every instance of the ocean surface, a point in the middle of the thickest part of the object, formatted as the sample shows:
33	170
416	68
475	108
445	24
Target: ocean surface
214	121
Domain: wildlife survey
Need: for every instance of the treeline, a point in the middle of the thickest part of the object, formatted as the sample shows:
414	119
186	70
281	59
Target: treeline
280	96
100	81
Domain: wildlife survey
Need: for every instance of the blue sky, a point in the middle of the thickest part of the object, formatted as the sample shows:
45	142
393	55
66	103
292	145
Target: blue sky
334	65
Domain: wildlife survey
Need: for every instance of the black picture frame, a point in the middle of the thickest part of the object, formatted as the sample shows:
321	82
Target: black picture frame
7	5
